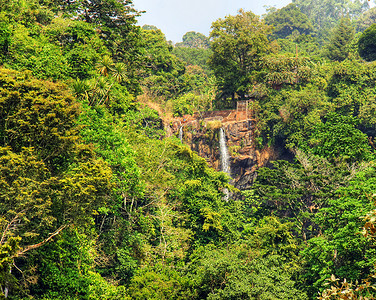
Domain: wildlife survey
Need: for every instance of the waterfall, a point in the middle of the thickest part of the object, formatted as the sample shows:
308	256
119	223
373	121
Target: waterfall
181	133
223	152
224	159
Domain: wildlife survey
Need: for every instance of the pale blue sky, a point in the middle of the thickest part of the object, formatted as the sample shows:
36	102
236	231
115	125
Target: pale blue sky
176	17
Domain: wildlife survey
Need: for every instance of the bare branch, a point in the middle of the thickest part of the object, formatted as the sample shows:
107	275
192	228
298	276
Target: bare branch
5	232
28	248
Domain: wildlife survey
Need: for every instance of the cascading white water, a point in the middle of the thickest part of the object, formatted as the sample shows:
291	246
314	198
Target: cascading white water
224	159
181	133
223	152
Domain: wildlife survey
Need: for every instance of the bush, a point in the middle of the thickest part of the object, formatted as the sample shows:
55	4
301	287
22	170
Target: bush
185	104
367	44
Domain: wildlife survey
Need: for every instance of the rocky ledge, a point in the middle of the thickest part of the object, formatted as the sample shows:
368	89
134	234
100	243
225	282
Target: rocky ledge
201	133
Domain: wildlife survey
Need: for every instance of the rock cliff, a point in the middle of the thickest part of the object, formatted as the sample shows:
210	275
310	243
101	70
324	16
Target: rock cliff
201	133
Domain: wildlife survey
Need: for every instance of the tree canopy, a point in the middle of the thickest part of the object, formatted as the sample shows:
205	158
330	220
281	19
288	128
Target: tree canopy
367	42
238	43
289	20
341	37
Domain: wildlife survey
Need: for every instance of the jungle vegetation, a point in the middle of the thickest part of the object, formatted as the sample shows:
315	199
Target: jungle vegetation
97	203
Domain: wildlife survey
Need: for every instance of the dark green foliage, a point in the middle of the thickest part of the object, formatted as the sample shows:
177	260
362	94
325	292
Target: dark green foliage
305	45
341	249
169	80
197	190
81	45
37	114
96	202
64	271
367	44
28	52
284	70
160	60
240	273
112	145
193	56
49	179
341	37
116	19
185	104
161	67
238	43
366	20
150	27
351	88
338	138
5	35
296	191
288	21
70	45
194	39
160	282
57	271
291	114
27	13
326	203
326	14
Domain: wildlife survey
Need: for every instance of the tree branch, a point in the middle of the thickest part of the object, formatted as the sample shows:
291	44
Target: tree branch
5	232
28	248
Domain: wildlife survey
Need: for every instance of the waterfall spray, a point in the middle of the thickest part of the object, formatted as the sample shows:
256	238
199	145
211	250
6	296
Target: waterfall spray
181	133
224	159
223	152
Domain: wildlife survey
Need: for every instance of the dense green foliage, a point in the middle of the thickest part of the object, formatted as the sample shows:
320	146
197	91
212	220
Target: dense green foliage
97	202
238	44
288	21
339	44
194	39
367	43
325	14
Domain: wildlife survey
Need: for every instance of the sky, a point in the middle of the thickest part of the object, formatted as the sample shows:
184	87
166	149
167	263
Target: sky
177	17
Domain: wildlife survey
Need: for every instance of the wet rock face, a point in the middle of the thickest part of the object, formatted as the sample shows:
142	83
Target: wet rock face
202	135
242	152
